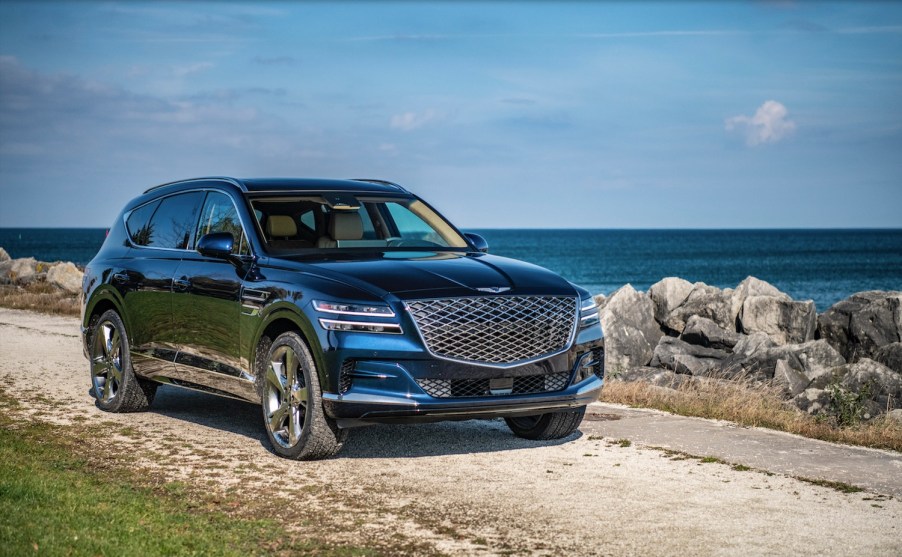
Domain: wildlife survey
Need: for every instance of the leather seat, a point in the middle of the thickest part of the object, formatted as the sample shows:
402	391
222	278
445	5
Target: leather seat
344	225
282	231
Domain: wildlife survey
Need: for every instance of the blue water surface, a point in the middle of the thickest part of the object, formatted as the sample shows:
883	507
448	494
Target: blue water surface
823	265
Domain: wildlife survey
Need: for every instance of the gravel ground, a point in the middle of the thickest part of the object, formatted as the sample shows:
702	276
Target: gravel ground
463	488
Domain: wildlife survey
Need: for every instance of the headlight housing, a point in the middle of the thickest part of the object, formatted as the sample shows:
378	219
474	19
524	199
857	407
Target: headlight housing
346	317
588	313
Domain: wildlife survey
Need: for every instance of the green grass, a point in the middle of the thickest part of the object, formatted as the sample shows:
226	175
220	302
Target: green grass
52	503
842	487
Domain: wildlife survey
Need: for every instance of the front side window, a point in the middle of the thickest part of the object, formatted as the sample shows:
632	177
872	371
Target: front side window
219	215
365	222
173	221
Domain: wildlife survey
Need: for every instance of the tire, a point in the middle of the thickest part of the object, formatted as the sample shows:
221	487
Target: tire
544	427
293	415
115	386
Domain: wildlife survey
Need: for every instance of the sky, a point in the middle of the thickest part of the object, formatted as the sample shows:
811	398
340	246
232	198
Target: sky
501	115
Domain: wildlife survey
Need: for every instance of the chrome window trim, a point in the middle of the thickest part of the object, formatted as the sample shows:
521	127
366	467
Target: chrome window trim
128	213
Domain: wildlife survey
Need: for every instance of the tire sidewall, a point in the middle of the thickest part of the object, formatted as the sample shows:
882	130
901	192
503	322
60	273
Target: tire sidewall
125	360
314	398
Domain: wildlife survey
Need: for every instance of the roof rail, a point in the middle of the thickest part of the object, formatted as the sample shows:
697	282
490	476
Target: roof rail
383	182
232	181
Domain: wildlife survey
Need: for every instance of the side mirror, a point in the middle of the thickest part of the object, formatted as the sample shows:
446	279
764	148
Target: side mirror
478	242
217	245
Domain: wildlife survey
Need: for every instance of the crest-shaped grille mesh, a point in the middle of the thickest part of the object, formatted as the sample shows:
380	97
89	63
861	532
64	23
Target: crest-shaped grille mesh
495	329
459	388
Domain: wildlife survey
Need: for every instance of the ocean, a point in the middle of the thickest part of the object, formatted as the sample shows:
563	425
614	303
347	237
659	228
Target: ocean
823	265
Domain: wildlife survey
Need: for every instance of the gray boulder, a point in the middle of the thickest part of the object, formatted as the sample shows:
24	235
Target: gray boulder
4	256
890	355
705	301
874	378
791	380
668	294
861	324
784	320
704	332
682	357
753	286
630	329
65	276
895	415
813	401
654	376
757	354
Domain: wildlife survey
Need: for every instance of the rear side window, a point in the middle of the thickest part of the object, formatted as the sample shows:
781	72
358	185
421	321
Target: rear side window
219	215
173	222
138	223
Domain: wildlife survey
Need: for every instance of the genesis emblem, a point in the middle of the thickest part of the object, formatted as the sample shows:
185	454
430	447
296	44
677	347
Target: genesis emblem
494	289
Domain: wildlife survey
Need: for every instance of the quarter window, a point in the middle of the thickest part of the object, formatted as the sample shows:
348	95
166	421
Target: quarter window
138	223
219	215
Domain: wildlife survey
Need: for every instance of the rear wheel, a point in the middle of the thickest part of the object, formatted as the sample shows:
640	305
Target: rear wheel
544	427
113	381
293	413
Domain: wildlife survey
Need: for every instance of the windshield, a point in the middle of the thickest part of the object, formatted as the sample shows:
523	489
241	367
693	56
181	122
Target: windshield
302	222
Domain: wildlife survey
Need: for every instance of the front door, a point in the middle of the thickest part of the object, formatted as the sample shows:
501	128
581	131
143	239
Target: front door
206	308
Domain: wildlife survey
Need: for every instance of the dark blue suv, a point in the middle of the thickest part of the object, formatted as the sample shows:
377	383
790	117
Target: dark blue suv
334	304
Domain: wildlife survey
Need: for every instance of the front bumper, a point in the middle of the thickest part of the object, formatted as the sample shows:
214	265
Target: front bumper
355	409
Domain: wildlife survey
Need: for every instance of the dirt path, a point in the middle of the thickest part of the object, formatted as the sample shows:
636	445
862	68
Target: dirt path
461	488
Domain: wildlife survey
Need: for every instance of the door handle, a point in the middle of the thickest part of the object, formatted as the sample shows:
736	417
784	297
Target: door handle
181	284
121	277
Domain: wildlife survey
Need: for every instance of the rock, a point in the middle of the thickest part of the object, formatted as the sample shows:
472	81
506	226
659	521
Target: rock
792	381
20	271
705	301
890	355
895	415
862	323
682	357
3	255
631	332
785	321
704	332
668	294
750	344
875	379
813	401
816	356
655	376
65	276
758	354
752	286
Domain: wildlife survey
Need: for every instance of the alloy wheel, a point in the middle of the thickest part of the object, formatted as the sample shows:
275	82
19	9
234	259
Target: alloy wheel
106	362
285	397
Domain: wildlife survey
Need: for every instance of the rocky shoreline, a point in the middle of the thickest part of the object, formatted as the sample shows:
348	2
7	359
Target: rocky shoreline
26	271
678	331
847	359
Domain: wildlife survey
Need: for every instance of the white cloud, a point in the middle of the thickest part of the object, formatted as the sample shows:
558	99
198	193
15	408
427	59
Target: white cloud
768	125
411	120
185	71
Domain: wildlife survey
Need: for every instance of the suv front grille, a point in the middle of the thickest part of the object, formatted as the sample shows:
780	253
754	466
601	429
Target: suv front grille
460	388
499	330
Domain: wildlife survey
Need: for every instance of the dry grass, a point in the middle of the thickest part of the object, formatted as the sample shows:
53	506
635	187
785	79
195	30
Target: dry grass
752	404
39	296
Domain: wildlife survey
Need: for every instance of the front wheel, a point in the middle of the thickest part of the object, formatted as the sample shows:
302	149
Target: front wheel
293	413
544	427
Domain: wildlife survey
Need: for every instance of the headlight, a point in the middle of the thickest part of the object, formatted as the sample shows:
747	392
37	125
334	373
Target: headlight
360	326
588	312
355	325
352	309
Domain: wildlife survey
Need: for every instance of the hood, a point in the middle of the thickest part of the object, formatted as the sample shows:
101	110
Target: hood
416	274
